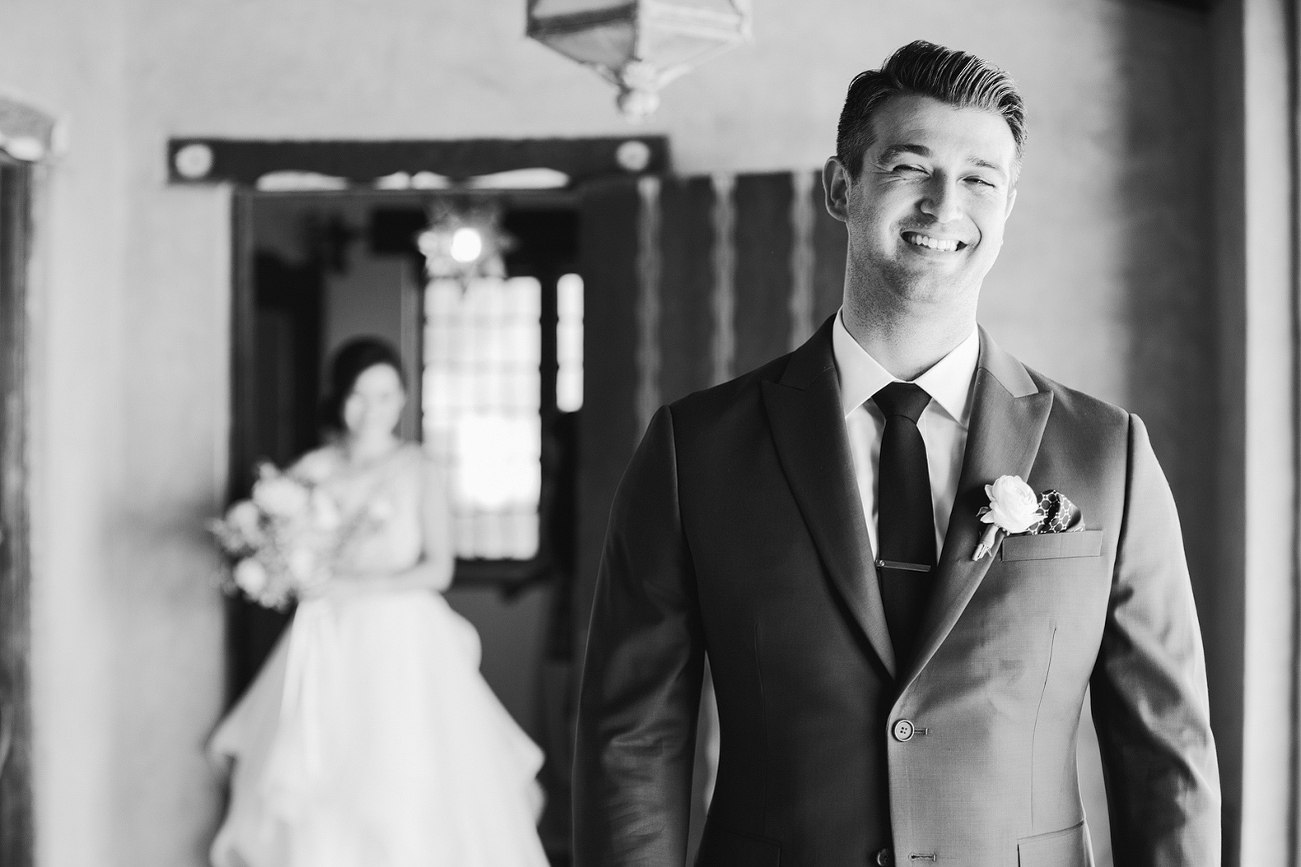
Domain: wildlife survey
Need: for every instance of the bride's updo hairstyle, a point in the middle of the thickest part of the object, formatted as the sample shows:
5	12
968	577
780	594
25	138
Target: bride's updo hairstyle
350	361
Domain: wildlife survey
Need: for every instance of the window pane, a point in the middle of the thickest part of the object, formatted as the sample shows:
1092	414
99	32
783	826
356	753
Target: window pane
481	389
569	343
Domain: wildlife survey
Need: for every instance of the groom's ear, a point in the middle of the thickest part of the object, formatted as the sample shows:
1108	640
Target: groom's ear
835	188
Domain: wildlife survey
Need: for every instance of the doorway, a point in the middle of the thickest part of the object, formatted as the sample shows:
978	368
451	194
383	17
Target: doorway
494	371
359	203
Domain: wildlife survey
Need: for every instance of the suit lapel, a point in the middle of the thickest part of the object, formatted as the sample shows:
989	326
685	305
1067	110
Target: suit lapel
1007	423
809	431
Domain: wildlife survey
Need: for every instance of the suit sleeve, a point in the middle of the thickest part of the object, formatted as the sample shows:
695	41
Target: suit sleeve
1149	693
640	693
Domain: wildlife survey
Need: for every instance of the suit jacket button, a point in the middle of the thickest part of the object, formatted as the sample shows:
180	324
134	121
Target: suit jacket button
884	858
903	730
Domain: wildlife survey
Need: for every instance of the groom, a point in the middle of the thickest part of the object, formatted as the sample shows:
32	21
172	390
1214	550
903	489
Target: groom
890	689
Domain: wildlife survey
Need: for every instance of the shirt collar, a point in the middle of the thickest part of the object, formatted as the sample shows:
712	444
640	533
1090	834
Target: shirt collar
948	381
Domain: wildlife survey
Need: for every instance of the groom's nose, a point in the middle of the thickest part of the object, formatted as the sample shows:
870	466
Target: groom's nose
940	199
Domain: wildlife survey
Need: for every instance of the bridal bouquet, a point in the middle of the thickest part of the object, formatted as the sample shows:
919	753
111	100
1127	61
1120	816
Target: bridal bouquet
281	540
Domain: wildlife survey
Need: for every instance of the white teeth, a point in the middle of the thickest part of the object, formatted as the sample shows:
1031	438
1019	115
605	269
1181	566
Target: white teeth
920	240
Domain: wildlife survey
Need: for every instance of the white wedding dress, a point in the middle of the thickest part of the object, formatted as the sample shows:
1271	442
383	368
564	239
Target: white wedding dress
369	738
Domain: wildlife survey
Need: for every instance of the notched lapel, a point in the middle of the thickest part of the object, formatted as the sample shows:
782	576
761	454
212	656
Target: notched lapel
1008	417
809	431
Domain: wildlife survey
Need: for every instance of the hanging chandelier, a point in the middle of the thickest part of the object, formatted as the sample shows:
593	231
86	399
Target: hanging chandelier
642	45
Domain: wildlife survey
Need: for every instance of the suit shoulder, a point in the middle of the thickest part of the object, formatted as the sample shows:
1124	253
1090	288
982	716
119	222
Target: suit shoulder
716	402
1084	411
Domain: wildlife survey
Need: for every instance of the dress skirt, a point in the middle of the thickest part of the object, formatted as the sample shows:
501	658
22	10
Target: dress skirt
369	739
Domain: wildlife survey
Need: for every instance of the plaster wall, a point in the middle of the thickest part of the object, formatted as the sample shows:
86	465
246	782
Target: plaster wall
1105	283
1256	238
68	61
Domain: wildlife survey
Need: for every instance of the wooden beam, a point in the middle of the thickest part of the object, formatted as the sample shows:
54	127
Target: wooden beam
363	163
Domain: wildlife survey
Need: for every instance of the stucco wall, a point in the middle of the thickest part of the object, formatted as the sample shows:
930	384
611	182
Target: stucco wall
1104	283
77	420
1257	568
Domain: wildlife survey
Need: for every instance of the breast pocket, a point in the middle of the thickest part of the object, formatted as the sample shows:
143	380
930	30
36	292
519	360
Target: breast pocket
1052	546
1061	577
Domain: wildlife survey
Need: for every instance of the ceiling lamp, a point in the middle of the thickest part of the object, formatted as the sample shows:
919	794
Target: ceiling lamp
641	45
464	240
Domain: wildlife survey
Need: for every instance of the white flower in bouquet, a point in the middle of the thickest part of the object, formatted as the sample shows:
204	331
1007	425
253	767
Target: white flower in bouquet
280	496
241	530
251	576
246	520
284	539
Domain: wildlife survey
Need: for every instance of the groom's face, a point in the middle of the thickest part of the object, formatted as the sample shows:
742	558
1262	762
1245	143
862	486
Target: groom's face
926	213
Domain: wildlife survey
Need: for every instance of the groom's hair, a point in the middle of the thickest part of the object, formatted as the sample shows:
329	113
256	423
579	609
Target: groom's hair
926	69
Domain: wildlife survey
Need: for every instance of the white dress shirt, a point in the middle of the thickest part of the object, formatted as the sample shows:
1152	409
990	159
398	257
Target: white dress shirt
943	424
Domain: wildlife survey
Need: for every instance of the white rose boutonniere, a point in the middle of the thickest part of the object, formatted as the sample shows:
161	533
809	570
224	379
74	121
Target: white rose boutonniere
1013	508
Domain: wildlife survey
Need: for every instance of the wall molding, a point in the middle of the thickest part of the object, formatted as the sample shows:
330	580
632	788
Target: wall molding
312	164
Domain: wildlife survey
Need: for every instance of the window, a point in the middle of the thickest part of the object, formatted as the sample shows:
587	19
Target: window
483	405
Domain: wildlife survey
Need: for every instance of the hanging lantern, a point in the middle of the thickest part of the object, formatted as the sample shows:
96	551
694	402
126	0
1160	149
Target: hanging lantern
642	45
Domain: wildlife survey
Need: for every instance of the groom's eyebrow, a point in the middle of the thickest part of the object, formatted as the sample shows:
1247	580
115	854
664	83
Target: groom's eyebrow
896	150
986	164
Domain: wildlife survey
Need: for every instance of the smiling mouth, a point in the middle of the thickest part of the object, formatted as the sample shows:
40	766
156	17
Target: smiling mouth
943	245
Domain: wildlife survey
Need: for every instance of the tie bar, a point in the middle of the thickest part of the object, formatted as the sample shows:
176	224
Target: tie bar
907	567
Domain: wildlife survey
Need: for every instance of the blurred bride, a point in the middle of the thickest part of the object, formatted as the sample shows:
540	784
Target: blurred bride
369	738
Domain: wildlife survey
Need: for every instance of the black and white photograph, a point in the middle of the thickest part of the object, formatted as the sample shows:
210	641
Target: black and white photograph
650	433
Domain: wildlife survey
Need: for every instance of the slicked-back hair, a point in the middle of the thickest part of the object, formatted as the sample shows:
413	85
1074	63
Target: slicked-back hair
926	69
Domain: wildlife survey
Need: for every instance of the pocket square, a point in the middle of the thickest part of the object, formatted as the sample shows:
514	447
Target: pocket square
1060	515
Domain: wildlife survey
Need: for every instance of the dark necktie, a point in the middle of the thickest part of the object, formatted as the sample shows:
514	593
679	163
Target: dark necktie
905	516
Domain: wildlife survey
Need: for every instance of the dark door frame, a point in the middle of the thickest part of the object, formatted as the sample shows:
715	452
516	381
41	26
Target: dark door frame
28	133
18	183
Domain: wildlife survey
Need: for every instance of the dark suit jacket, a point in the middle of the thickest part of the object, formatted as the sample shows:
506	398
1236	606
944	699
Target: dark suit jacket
738	532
